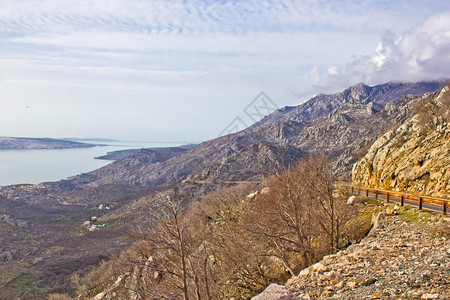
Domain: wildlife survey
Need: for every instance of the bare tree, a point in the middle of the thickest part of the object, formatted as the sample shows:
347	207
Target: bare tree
299	212
284	217
319	180
234	266
168	242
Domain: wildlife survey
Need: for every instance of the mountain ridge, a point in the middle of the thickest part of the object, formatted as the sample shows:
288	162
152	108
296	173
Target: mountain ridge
340	133
324	103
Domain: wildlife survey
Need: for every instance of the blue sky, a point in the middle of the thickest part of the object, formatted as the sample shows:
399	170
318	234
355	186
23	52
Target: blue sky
183	70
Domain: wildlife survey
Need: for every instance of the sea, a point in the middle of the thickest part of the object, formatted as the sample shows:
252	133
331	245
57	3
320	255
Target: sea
37	166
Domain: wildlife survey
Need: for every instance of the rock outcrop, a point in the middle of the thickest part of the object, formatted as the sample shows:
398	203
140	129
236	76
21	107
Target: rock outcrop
399	259
415	156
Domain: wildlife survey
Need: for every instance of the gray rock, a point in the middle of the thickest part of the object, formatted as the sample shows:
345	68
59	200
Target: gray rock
7	219
22	224
275	292
7	256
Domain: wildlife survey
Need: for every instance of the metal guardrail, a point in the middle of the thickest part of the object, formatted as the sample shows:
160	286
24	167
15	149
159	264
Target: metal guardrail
402	197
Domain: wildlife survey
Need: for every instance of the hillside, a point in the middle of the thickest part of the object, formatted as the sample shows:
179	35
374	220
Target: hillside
414	156
19	143
405	256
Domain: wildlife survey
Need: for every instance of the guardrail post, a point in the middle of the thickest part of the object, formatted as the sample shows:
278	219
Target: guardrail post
420	202
387	197
444	207
367	192
376	195
402	200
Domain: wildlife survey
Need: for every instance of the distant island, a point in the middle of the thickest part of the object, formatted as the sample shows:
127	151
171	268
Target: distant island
22	143
92	140
119	154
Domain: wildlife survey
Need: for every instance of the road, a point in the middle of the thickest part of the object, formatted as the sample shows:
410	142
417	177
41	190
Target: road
396	199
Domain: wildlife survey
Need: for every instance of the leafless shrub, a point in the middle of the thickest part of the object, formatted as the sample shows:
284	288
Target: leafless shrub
59	297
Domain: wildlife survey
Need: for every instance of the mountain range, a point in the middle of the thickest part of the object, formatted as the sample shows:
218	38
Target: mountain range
338	125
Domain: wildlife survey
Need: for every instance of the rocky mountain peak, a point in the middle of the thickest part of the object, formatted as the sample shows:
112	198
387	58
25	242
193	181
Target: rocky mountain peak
323	104
358	92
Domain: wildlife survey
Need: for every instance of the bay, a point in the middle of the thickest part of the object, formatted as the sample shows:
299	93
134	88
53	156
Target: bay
37	166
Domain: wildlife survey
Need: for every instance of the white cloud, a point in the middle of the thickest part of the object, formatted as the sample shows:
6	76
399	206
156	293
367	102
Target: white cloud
333	71
422	53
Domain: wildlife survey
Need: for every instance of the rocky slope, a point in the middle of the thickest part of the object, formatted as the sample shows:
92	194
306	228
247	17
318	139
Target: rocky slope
13	143
337	125
414	156
323	104
250	163
405	256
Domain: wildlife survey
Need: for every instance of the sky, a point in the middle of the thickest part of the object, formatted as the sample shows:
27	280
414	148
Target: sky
185	71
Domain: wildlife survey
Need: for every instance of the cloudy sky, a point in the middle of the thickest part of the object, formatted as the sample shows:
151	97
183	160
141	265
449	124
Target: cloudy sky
159	70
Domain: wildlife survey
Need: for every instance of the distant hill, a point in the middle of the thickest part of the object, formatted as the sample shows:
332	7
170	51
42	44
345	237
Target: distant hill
20	143
91	140
165	152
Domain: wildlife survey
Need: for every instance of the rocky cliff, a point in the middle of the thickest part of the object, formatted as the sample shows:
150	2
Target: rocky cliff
414	156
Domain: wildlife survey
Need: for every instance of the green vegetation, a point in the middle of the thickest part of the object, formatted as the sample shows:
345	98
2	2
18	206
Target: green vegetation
23	281
79	230
61	217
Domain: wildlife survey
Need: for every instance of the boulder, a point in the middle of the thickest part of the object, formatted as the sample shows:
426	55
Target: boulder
351	200
8	220
252	195
6	256
22	224
275	292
